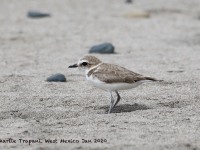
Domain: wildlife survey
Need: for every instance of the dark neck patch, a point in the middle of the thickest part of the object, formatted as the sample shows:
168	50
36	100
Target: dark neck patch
91	72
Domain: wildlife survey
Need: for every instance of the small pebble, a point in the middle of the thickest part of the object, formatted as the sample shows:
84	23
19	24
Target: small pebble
37	14
128	1
102	48
56	78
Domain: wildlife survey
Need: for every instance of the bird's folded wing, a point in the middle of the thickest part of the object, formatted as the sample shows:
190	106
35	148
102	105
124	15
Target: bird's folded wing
115	74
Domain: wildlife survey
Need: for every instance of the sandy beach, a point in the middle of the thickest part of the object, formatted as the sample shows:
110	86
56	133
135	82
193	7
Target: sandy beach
156	38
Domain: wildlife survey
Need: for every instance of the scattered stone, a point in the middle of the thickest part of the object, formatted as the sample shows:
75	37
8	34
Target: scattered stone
104	48
56	78
128	1
26	131
37	14
137	14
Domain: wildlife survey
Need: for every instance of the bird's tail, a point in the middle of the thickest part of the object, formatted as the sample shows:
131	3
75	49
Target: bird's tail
152	79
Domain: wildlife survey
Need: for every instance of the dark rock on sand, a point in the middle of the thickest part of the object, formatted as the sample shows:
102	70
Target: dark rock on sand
56	78
102	48
37	14
128	1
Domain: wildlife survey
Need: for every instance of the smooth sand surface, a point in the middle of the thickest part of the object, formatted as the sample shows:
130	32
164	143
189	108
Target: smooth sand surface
157	38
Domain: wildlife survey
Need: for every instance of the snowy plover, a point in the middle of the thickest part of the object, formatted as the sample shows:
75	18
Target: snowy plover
110	77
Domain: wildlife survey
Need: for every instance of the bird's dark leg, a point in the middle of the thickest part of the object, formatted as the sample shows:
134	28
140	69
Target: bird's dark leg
111	103
118	99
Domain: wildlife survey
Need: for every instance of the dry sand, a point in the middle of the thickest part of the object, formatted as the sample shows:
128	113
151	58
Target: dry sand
164	44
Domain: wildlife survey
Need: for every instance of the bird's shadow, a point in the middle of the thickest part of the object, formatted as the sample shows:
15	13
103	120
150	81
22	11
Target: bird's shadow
126	108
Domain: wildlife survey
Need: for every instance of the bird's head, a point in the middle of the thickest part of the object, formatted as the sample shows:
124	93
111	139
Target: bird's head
86	62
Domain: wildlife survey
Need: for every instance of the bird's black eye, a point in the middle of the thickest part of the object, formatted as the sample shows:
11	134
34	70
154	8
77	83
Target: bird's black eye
84	63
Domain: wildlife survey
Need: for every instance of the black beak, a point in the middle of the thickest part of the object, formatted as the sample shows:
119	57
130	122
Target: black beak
73	66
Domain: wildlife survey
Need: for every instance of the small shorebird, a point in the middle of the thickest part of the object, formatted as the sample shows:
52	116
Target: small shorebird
110	77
